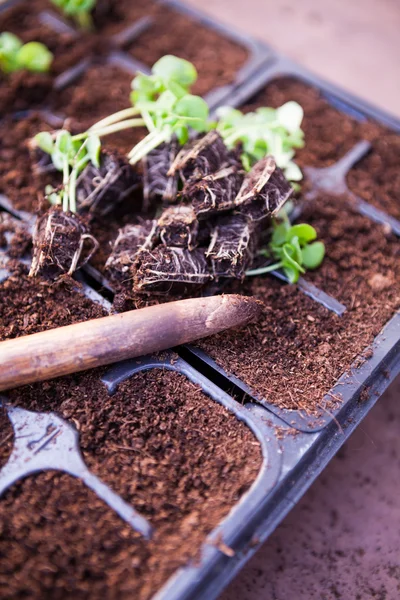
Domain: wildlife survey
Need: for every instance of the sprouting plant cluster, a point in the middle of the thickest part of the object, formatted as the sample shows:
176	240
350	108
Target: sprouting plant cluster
265	131
70	156
165	105
234	177
79	10
16	56
293	248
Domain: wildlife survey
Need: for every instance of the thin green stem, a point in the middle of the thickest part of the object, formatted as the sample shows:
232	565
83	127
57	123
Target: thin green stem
121	115
148	120
146	148
128	124
143	142
84	20
262	270
65	184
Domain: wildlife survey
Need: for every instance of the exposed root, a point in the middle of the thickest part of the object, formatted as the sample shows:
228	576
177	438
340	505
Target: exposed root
207	155
170	271
157	184
178	227
100	190
264	191
232	246
61	244
131	240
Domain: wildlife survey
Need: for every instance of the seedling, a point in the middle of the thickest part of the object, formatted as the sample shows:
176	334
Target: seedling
267	131
61	240
70	155
165	105
16	56
295	249
79	10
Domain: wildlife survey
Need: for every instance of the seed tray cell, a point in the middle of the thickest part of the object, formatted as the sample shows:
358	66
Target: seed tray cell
333	181
295	446
45	441
127	34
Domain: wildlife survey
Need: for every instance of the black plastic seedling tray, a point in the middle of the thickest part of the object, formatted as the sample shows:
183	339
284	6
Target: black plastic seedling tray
295	446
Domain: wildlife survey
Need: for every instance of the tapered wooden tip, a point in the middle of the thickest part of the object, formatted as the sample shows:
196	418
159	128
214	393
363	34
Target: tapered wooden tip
232	310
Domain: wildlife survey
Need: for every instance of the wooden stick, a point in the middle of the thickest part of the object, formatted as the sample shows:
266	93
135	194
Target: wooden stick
135	333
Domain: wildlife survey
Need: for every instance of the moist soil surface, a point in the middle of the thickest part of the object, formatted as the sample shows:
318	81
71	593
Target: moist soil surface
217	59
18	179
294	355
99	91
180	458
328	133
29	305
376	178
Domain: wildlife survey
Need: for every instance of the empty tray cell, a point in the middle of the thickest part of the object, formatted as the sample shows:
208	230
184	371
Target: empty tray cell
18	179
29	305
60	540
329	134
97	92
216	58
181	459
362	263
376	178
295	353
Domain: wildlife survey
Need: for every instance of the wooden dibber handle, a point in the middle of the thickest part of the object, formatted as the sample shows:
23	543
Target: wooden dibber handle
131	334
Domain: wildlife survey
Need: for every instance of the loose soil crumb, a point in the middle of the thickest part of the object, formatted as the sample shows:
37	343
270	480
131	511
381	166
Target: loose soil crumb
362	263
217	59
294	355
60	541
100	91
180	458
31	305
18	180
329	134
376	178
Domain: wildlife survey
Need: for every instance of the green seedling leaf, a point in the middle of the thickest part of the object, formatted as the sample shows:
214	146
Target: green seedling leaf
293	172
304	232
64	142
170	68
194	109
44	141
290	116
74	7
313	255
291	273
290	257
279	234
294	248
35	57
14	55
9	47
77	9
265	131
58	159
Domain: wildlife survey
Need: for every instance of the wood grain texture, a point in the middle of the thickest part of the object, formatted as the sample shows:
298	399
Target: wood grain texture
135	333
